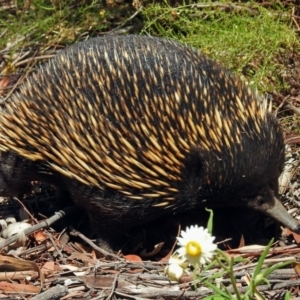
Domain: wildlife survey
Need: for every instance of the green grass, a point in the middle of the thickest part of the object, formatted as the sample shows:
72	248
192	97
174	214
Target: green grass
246	39
43	25
52	22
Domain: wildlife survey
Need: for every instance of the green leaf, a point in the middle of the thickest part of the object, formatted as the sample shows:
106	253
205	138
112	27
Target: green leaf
287	295
210	220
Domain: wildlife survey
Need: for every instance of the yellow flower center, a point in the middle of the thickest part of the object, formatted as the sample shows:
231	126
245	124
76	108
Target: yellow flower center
193	248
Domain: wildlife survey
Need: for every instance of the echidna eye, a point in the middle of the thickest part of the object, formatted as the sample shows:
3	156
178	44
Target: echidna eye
260	200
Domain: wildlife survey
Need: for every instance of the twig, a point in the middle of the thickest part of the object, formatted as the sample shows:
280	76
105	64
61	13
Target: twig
113	288
56	248
93	245
295	109
43	224
126	21
18	82
55	292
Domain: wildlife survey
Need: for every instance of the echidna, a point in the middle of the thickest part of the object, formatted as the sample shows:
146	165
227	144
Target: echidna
137	127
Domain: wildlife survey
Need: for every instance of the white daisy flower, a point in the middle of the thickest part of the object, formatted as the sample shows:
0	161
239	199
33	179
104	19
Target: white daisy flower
196	245
174	272
176	267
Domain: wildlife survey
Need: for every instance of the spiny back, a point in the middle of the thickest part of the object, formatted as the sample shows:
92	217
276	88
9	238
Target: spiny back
126	112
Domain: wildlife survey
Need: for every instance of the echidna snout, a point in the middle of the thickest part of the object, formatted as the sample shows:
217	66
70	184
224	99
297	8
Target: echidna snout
139	127
279	213
268	203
